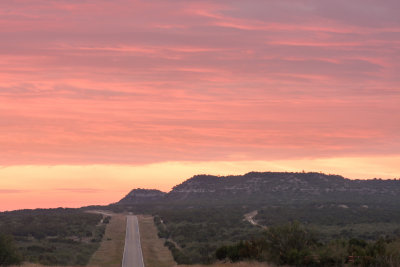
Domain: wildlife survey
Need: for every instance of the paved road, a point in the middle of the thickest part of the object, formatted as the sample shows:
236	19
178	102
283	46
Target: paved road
133	250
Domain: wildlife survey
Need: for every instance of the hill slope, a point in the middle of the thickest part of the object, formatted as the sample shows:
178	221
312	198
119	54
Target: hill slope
137	196
272	187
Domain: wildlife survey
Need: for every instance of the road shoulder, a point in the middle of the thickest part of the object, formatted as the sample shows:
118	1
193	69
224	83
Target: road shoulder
112	246
155	254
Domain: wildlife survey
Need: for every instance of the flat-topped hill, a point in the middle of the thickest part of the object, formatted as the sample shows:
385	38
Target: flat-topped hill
271	187
140	195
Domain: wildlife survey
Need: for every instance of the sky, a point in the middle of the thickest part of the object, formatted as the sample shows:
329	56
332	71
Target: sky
98	97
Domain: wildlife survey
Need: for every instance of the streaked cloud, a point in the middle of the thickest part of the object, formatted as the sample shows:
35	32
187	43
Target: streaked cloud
12	191
140	82
81	190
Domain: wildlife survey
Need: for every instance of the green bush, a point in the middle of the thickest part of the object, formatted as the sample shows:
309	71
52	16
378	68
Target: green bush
221	253
9	255
290	244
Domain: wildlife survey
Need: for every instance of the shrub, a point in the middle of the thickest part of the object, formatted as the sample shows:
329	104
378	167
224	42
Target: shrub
9	255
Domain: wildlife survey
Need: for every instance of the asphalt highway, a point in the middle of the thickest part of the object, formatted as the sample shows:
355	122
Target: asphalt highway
133	256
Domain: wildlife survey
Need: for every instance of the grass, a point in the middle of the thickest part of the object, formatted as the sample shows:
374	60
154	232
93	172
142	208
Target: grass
239	264
155	254
28	264
112	246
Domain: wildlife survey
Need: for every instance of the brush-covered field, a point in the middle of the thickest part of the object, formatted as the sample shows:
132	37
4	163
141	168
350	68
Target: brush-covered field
53	236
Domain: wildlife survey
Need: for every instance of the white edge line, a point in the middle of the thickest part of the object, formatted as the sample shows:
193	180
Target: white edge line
126	232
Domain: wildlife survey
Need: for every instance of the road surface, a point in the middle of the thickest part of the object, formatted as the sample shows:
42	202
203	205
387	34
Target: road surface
133	250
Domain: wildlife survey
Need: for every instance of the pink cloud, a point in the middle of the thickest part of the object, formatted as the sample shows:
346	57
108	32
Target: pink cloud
149	81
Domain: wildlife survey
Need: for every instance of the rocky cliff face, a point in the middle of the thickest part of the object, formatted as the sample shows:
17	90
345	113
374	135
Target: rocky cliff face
142	196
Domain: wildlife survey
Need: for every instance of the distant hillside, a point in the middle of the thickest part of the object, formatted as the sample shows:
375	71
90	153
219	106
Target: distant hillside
271	187
139	195
205	212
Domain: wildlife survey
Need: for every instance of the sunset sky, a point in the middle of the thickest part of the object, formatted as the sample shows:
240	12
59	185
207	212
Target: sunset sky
101	96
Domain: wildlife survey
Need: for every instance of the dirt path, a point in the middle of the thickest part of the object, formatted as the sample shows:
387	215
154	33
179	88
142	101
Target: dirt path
250	218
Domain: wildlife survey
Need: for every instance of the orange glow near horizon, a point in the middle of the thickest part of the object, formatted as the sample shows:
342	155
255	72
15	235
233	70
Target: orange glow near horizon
108	92
75	186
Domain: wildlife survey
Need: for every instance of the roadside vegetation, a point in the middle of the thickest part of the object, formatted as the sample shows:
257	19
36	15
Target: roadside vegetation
328	236
294	245
193	234
51	237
